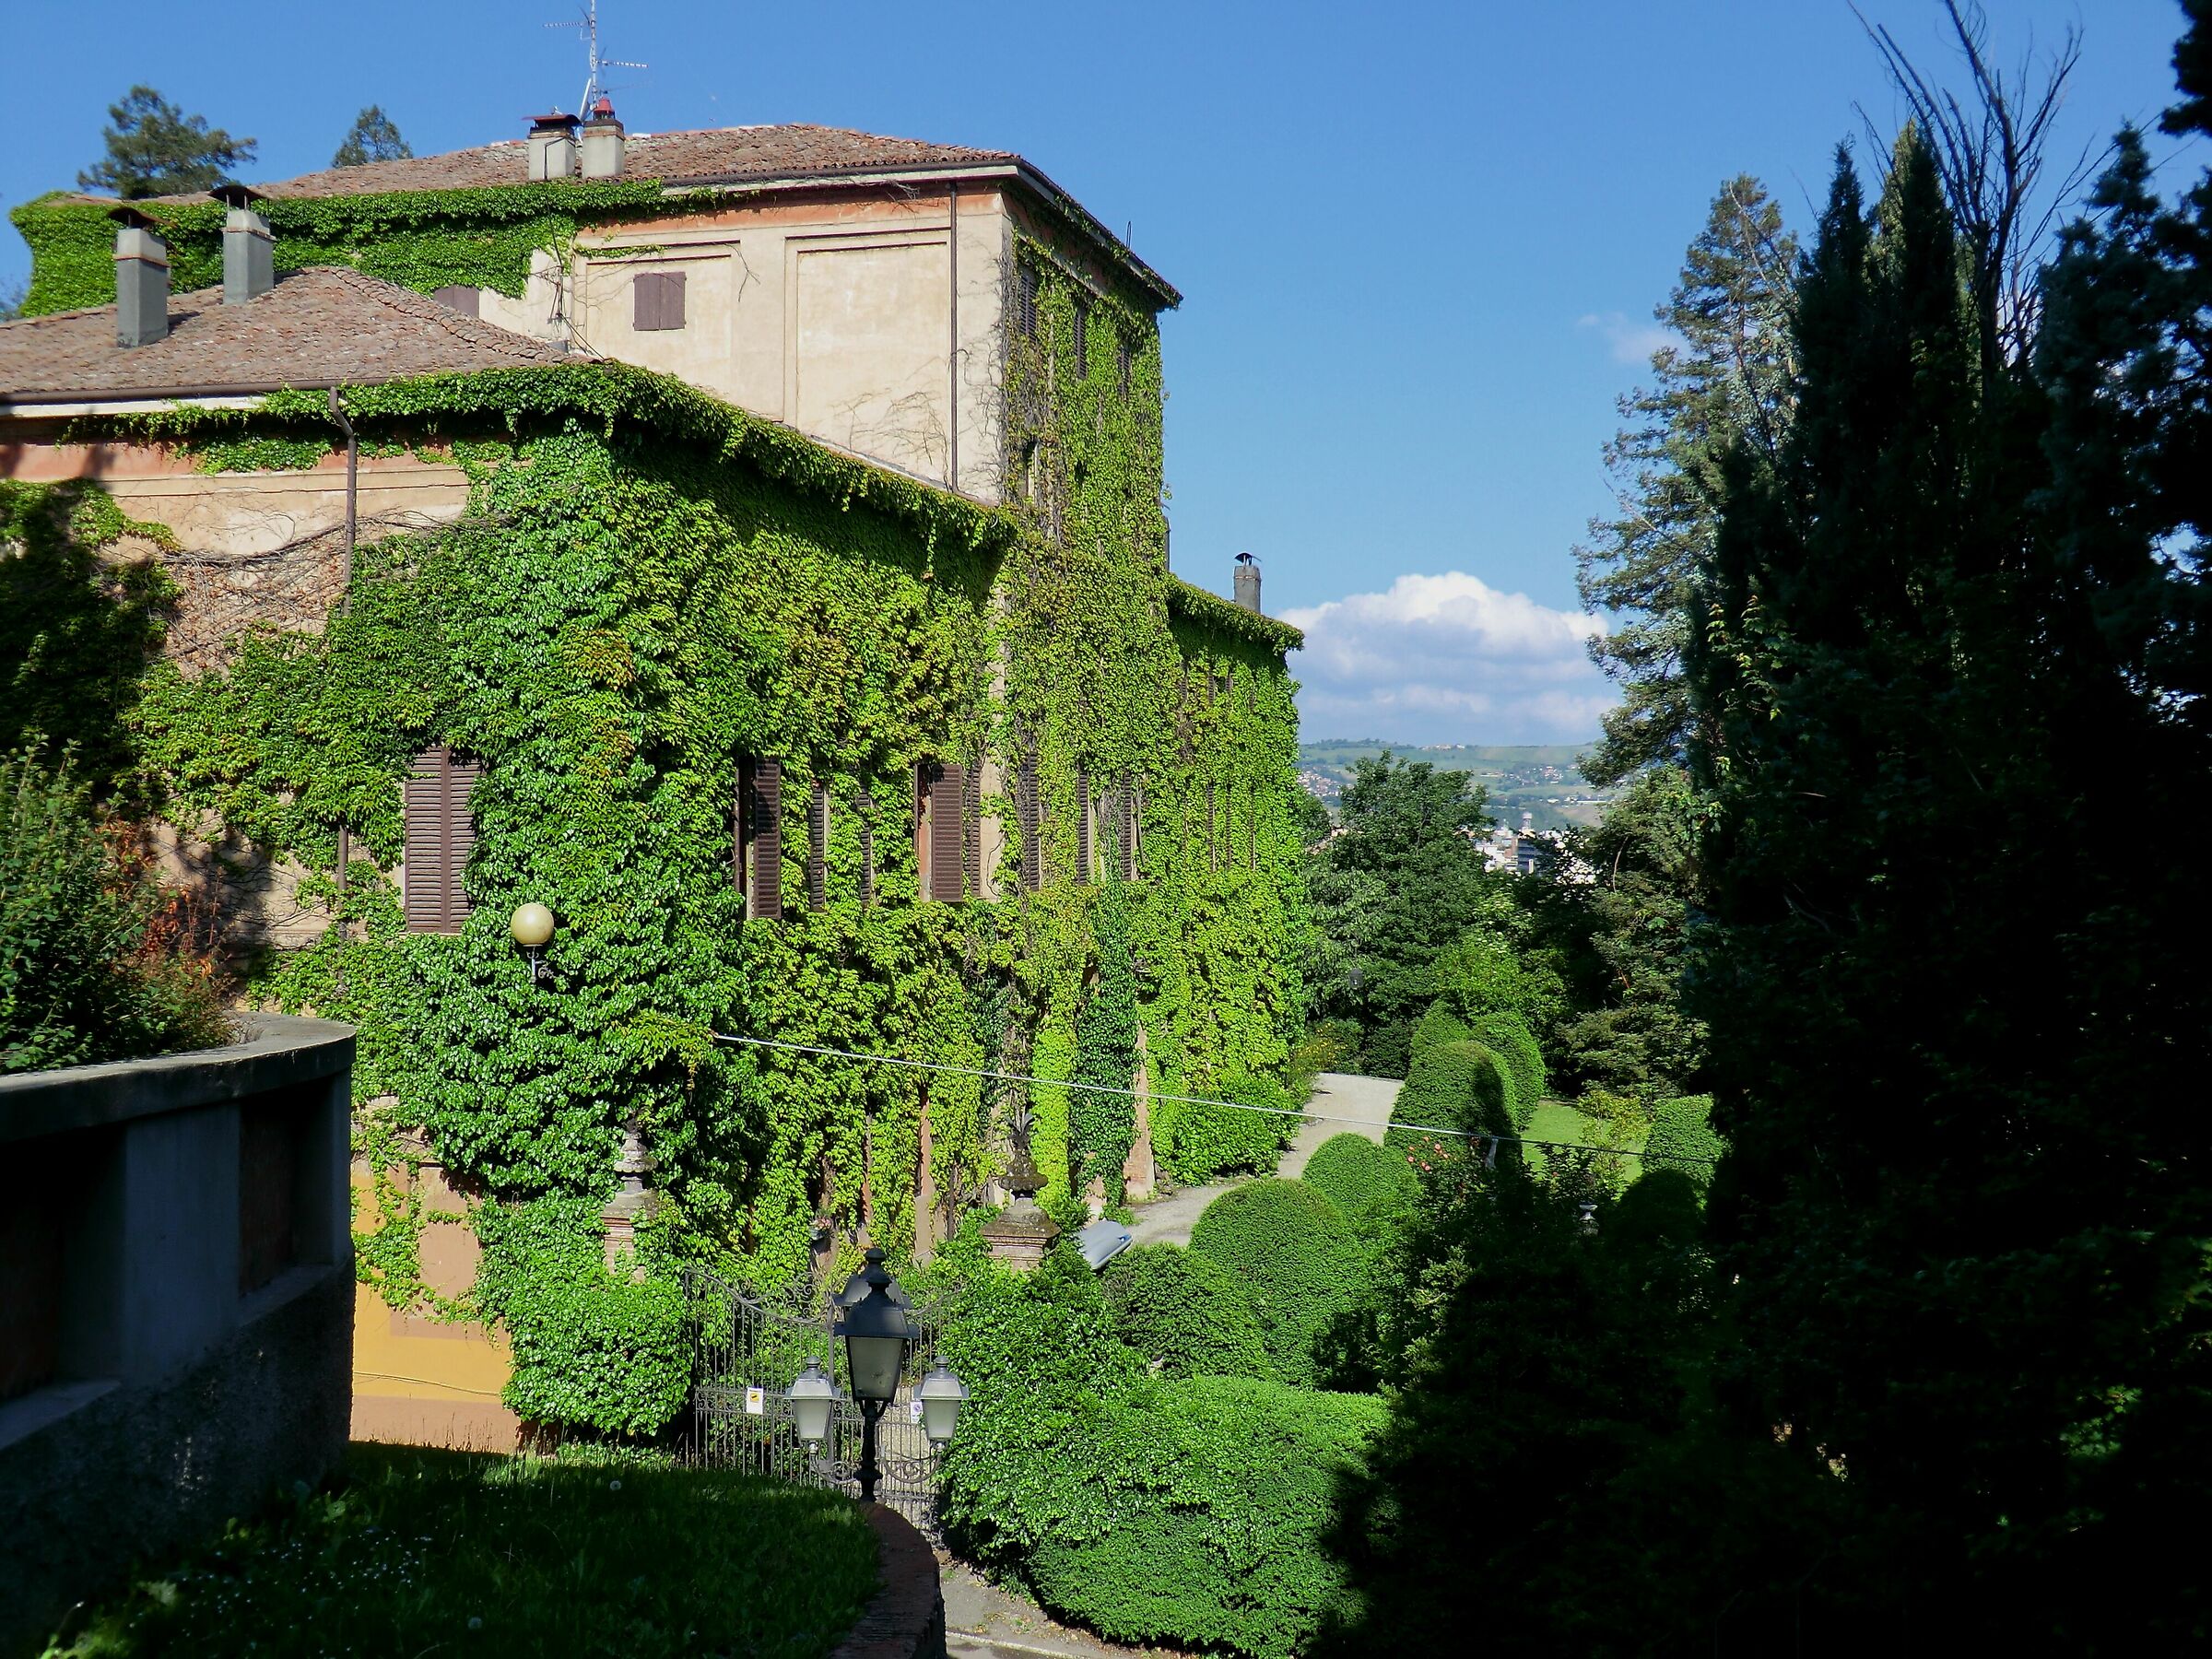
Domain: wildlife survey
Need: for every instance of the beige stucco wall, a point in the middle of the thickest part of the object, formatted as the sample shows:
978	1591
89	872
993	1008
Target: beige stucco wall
836	316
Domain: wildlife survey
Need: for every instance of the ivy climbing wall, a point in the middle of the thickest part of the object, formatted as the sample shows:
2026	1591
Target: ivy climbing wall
648	587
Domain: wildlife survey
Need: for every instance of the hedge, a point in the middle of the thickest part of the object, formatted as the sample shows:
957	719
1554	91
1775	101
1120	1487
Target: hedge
1682	1138
1461	1086
1364	1181
1189	1512
1197	1143
1185	1314
1439	1025
1293	1252
1199	1512
1508	1037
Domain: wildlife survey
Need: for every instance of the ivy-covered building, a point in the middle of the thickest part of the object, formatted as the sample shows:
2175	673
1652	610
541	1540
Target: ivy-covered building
460	585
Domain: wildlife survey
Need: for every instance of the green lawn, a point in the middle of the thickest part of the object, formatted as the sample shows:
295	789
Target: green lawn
414	1553
1559	1122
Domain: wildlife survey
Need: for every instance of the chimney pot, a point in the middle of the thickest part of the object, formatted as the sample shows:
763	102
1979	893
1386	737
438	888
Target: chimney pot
141	280
602	143
1247	589
249	247
552	146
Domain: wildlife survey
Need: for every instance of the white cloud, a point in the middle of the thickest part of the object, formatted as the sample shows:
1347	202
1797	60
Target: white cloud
1448	659
1629	341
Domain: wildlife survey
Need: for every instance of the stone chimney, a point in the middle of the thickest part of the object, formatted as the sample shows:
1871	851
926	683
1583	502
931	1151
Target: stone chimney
248	249
141	280
552	146
603	140
1247	589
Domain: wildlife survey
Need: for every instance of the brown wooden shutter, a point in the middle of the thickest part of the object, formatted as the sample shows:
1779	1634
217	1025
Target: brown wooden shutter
947	791
763	838
818	846
925	775
440	835
656	301
1082	826
1032	854
972	831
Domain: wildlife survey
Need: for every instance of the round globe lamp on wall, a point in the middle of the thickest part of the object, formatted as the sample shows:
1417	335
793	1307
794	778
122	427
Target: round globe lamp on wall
532	928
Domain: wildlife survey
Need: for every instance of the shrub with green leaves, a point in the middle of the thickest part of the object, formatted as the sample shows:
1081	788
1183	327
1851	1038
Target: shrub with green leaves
1366	1182
1197	1143
1441	1024
1197	1512
82	977
1461	1086
591	1347
1295	1255
1682	1138
1507	1036
1185	1314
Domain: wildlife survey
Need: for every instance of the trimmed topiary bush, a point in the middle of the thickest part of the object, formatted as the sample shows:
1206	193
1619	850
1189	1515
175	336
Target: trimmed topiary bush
1507	1036
1682	1138
1364	1181
1194	1513
1459	1086
1295	1257
1185	1314
1439	1025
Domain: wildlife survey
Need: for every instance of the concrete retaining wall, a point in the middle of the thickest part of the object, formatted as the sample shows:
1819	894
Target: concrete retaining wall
176	1308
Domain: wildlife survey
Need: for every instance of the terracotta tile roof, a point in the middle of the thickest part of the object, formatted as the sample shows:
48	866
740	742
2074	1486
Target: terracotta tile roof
326	325
719	155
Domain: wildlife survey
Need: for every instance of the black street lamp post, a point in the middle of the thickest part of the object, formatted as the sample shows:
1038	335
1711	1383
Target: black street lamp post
876	1332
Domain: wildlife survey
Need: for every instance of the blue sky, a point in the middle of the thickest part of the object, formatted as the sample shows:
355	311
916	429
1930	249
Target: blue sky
1419	244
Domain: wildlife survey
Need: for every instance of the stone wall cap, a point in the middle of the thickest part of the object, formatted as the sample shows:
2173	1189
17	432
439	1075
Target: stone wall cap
277	1051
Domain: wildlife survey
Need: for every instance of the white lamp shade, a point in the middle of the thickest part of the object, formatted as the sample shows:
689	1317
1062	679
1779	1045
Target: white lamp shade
942	1393
532	926
811	1395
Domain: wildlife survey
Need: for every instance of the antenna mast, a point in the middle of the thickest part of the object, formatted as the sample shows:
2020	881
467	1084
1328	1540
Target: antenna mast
588	22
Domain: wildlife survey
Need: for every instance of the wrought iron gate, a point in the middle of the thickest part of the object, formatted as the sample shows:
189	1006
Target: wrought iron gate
744	1354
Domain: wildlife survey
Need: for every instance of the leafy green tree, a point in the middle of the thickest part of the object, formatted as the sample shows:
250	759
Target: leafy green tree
1619	940
1728	380
85	975
154	149
1403	879
374	137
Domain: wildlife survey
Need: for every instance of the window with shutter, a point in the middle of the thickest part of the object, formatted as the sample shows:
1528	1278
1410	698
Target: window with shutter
439	835
1213	846
1083	855
940	787
818	846
656	300
468	301
1120	364
1025	806
1082	340
1025	299
760	838
1126	831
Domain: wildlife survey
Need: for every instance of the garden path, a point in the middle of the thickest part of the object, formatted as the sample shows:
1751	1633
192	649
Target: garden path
982	1622
1336	1095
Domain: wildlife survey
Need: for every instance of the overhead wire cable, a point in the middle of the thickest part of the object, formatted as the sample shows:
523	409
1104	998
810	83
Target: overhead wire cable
1106	1089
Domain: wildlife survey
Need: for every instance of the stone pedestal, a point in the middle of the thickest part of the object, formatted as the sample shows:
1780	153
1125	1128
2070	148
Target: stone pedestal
1018	1237
631	1203
1140	1173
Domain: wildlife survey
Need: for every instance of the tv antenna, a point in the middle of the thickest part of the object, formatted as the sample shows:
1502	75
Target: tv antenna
588	22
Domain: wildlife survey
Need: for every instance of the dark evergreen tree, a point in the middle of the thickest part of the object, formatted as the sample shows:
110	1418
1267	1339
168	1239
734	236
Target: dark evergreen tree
372	137
1947	1036
1728	380
154	149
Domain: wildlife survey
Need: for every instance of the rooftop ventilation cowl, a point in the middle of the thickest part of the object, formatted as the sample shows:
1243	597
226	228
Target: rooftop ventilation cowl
602	143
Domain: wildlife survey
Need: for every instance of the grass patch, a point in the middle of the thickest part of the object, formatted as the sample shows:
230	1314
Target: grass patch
468	1556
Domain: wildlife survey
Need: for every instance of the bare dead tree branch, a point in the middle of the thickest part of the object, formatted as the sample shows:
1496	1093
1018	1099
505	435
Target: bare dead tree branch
1989	143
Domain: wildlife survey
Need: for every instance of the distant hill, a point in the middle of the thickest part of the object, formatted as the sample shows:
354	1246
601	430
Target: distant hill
1543	780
